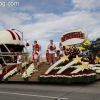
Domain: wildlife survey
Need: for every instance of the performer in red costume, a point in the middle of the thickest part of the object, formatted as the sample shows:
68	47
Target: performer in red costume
36	47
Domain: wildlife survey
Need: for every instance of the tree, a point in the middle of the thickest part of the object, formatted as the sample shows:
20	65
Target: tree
95	45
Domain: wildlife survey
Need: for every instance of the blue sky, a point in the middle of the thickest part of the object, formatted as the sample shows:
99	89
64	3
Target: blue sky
43	20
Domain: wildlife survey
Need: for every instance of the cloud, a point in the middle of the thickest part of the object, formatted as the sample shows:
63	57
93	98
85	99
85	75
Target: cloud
86	4
49	25
7	20
48	19
22	16
44	6
10	19
66	21
95	34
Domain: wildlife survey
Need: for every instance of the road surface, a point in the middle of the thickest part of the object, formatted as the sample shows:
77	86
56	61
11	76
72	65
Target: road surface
38	91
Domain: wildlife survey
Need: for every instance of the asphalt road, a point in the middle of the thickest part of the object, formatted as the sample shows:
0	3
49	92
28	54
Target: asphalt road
37	91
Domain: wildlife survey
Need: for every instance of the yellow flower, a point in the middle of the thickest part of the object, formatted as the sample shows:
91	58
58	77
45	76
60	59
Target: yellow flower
77	59
84	66
97	60
65	58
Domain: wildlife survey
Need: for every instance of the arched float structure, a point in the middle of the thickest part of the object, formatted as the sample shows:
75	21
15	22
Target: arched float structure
10	41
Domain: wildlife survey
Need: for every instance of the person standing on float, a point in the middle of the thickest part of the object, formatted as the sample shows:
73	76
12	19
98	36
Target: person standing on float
52	49
47	56
36	47
57	55
19	63
61	49
35	55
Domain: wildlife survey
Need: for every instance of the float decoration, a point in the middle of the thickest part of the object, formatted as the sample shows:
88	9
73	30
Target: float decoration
97	60
67	74
76	60
57	63
10	44
27	44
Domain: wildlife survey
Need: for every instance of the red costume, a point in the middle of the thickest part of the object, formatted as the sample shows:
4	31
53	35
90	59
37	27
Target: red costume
36	46
47	56
35	55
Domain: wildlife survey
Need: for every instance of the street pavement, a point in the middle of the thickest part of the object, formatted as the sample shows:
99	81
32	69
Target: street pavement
38	91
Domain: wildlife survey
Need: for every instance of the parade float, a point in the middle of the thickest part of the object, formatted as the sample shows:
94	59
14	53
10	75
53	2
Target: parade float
74	66
10	43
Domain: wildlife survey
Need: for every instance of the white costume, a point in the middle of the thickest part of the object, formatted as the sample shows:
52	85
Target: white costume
19	59
61	50
53	46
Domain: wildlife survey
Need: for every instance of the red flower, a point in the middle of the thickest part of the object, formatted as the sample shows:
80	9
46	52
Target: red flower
51	48
12	50
91	62
68	74
27	44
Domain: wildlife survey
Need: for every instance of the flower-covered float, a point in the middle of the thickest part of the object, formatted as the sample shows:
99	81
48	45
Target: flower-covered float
73	66
10	43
